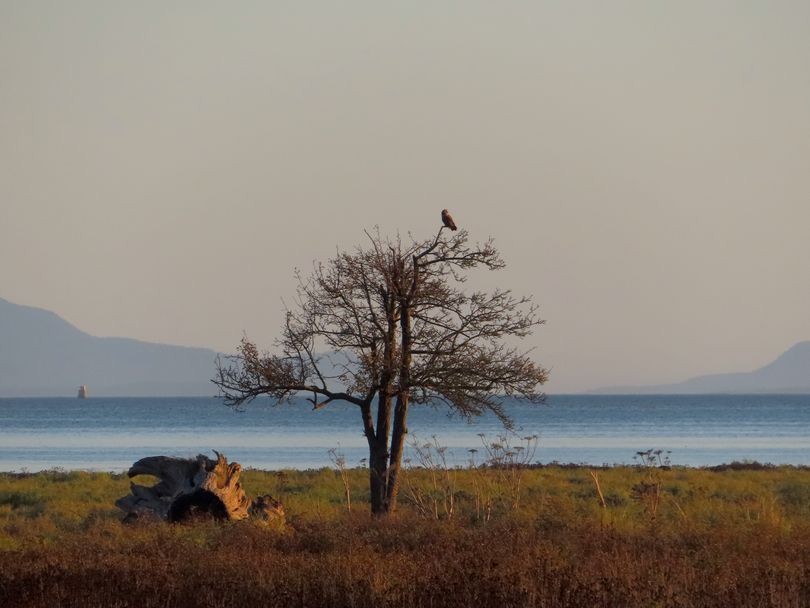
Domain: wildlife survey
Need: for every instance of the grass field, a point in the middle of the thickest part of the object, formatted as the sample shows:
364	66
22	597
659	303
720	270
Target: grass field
738	536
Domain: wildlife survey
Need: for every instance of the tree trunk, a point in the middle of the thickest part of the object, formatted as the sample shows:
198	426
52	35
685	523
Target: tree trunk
378	455
378	445
400	428
193	487
377	477
399	432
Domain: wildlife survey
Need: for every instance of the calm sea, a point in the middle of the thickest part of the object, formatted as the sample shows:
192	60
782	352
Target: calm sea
111	433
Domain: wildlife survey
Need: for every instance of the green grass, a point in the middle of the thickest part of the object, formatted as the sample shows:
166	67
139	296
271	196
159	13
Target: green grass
733	537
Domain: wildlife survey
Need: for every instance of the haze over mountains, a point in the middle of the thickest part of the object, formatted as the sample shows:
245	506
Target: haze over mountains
788	373
41	354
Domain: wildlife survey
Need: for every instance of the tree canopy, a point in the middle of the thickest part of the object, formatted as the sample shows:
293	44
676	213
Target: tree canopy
390	324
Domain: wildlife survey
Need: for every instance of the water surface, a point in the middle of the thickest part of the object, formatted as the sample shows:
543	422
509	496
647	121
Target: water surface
111	433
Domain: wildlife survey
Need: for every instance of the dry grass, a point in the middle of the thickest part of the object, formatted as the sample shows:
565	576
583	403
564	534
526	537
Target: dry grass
733	537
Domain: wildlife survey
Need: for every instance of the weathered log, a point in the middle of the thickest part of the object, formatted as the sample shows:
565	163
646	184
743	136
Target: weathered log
193	487
267	508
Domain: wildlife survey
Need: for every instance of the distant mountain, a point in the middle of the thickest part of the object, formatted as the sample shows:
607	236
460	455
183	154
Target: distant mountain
789	373
41	354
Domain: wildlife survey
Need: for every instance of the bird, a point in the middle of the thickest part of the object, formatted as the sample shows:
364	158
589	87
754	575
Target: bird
447	220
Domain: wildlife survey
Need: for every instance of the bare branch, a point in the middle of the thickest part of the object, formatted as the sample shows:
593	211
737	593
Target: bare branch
404	330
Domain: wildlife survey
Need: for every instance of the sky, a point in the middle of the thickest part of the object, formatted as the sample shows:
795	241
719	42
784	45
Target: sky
644	167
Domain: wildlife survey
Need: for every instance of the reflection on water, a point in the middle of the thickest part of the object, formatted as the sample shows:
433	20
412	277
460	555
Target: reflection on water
109	434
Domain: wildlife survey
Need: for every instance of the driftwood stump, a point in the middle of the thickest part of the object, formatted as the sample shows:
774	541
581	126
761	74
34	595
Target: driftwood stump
193	487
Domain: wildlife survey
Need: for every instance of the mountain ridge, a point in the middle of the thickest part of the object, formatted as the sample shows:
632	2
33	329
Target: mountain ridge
42	354
788	373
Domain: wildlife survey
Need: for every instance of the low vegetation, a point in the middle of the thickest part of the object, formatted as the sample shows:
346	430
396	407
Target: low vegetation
648	535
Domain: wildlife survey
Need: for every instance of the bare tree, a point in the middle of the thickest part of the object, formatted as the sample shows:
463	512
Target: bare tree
397	325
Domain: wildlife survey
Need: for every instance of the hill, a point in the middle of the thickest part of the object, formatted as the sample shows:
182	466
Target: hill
41	354
789	373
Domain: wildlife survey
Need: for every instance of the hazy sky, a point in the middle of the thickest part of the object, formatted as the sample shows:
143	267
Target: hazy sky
643	166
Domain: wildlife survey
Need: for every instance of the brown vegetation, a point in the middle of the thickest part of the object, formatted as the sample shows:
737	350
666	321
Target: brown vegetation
736	538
